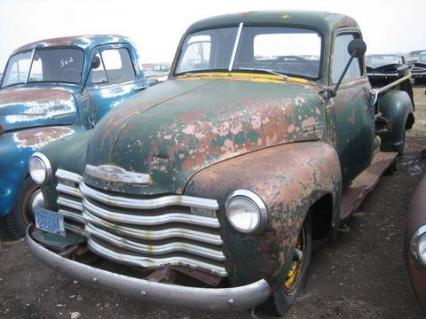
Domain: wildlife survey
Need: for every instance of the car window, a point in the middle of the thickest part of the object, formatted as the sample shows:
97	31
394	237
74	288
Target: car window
115	66
276	49
196	55
17	68
98	75
341	57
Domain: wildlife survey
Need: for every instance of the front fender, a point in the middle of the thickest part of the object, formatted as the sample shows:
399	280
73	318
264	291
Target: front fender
15	151
396	106
289	178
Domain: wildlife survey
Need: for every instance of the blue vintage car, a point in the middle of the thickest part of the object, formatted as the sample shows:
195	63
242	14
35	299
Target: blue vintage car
52	89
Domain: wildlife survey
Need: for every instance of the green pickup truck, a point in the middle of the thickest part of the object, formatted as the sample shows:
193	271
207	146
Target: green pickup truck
207	190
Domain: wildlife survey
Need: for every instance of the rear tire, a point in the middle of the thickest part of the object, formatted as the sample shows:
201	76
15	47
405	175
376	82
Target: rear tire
281	301
22	215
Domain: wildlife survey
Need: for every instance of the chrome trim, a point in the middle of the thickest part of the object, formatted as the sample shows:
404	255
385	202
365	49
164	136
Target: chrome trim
69	190
46	164
148	262
414	243
174	232
69	203
374	96
76	230
161	202
60	173
263	220
154	249
37	200
165	218
102	217
212	299
71	215
235	48
115	174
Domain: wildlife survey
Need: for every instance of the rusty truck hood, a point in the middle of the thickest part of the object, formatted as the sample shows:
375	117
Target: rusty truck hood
179	127
25	107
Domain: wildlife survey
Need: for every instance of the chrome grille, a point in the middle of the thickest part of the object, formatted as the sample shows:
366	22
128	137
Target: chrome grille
150	233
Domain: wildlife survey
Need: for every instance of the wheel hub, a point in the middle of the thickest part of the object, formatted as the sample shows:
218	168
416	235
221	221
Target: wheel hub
296	266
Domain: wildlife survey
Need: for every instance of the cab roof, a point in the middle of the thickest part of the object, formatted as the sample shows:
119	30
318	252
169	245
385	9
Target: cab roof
82	41
324	22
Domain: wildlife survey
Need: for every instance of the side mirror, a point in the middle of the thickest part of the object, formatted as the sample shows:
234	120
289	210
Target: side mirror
356	49
96	62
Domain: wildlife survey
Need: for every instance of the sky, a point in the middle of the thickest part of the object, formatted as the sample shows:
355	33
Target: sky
157	25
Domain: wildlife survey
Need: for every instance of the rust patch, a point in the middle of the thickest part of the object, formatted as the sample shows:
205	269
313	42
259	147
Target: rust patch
38	137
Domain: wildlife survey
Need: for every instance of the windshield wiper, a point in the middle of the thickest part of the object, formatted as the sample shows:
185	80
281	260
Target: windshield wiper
269	71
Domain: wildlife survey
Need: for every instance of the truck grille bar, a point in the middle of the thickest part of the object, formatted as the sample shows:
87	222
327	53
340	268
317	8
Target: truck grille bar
145	232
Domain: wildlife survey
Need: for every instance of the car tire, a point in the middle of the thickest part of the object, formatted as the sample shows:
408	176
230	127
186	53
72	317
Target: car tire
281	301
21	215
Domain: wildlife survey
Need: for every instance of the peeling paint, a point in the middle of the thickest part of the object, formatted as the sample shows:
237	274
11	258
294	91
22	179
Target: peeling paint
36	138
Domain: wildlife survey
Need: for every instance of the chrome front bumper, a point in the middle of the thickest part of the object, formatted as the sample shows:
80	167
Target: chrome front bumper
212	299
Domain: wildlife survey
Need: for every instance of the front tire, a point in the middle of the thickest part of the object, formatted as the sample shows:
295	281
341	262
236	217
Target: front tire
281	301
22	215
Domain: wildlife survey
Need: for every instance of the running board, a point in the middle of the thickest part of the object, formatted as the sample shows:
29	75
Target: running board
355	193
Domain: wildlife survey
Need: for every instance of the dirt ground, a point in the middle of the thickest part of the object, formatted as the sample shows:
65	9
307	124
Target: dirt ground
358	275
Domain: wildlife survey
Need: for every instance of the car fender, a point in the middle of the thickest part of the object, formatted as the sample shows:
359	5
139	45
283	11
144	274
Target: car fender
15	150
289	178
396	106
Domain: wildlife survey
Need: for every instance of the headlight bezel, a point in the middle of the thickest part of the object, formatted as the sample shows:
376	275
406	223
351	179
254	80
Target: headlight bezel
419	234
47	167
254	199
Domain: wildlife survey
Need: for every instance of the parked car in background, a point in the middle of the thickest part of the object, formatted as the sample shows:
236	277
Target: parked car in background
156	72
384	67
418	69
412	56
415	242
52	89
226	172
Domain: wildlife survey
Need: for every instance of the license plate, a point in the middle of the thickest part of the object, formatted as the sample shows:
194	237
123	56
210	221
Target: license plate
49	221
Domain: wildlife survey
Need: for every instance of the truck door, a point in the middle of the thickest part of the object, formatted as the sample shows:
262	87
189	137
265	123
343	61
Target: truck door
114	76
354	116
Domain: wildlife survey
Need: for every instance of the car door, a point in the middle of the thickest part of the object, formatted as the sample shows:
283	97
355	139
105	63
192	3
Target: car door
354	114
114	77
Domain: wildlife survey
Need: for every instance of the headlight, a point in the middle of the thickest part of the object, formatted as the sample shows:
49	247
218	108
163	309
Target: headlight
39	167
418	244
246	211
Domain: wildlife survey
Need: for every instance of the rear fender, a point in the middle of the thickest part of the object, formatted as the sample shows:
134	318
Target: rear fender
396	106
290	179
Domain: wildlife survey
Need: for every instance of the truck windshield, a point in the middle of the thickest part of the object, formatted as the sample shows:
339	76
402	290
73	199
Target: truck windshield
266	49
64	65
375	61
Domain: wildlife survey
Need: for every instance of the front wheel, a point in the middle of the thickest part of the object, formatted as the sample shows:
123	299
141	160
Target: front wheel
295	281
22	215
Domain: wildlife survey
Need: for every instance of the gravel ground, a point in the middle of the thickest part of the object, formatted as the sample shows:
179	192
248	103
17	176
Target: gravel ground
358	275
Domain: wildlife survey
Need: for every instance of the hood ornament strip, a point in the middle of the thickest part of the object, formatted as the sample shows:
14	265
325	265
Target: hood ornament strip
115	174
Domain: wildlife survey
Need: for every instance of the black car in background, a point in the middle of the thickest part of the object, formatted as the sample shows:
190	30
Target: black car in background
383	68
418	68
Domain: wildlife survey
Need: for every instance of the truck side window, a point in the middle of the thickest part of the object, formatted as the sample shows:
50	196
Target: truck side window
116	66
341	56
98	74
197	54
